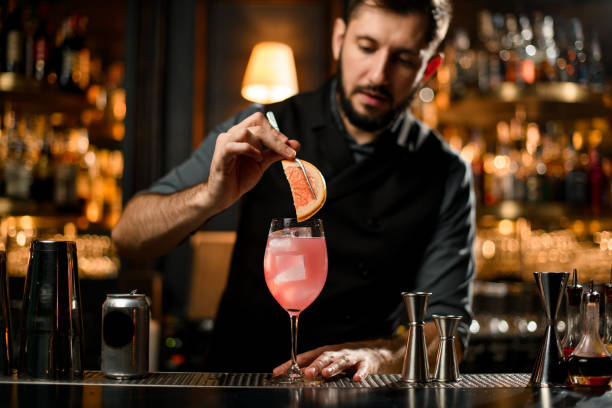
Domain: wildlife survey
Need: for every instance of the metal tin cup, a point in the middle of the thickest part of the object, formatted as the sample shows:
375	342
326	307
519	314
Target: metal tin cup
125	335
51	335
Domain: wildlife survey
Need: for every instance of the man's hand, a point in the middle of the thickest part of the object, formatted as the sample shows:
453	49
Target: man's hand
364	357
358	359
241	156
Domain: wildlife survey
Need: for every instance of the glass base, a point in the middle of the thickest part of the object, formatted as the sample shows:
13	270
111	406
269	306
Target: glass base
293	380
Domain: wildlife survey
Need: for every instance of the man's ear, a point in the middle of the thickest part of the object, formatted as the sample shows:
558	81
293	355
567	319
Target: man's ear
338	37
433	65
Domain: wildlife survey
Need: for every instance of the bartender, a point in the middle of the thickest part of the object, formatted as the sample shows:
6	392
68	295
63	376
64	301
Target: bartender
399	214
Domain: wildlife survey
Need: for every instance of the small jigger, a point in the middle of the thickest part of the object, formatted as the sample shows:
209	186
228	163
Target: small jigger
447	368
549	366
416	368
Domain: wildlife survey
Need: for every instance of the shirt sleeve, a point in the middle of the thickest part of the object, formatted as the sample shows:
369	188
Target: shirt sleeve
196	168
448	268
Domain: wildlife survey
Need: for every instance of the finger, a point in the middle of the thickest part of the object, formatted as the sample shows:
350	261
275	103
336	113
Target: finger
274	140
281	368
269	136
270	157
256	119
336	367
363	369
248	135
319	364
242	148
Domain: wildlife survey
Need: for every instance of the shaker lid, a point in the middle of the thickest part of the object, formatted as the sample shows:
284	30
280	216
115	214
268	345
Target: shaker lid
126	295
131	295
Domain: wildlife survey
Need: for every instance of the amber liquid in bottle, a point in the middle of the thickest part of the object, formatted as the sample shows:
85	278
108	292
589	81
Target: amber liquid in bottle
590	371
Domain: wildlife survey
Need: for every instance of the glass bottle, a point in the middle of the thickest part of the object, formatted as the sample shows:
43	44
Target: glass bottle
42	43
608	328
573	299
13	39
595	66
590	364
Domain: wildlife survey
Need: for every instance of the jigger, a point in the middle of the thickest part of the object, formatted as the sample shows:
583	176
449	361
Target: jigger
548	368
447	368
416	368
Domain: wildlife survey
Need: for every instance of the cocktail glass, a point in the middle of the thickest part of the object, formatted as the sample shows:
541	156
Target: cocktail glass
295	268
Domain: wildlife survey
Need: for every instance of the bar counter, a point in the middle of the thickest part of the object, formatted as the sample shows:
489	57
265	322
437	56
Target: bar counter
241	390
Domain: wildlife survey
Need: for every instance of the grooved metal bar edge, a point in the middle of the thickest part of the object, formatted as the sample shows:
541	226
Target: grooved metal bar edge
257	380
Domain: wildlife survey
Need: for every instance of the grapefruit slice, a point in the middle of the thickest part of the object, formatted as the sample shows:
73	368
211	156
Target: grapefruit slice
305	204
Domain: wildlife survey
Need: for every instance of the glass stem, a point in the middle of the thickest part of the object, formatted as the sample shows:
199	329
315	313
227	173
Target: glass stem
294	370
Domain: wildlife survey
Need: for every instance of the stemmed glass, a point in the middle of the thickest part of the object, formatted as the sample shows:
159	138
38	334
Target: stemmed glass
295	268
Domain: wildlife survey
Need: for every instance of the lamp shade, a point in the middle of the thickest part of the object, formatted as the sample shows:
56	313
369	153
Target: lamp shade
270	74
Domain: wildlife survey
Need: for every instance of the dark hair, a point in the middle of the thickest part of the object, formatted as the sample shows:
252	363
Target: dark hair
439	13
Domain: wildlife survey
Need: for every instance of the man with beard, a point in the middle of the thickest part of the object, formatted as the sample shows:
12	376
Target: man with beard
399	214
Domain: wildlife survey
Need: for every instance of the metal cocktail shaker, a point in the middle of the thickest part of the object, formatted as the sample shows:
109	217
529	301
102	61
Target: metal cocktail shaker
51	341
416	367
5	320
125	335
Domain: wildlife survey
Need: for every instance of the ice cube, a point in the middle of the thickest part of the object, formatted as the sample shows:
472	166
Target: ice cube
301	232
292	267
280	243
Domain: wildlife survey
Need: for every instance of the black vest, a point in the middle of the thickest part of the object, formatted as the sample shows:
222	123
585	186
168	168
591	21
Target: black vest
379	217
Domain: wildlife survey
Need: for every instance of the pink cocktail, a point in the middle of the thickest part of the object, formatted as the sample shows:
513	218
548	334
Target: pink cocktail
295	268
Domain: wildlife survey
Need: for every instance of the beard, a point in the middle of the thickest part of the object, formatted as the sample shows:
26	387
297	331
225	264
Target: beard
367	122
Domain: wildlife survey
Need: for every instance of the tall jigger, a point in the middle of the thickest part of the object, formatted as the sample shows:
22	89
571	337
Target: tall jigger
549	366
416	368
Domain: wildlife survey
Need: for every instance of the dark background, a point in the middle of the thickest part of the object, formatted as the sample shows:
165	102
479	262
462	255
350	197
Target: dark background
184	62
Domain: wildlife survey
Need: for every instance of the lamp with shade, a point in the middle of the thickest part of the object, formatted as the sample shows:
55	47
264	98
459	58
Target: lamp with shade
270	75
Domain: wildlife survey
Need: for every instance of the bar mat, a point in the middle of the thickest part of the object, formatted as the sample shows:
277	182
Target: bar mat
196	379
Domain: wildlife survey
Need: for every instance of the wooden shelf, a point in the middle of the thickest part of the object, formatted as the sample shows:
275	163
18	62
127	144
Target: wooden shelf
540	103
34	96
16	207
543	212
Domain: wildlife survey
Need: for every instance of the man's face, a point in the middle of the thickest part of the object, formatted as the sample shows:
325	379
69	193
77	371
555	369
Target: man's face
382	57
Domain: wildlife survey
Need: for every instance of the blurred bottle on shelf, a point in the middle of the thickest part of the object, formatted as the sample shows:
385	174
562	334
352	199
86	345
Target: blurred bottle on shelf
596	69
18	167
527	51
524	49
464	63
546	48
42	43
579	54
43	183
576	180
13	39
75	59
